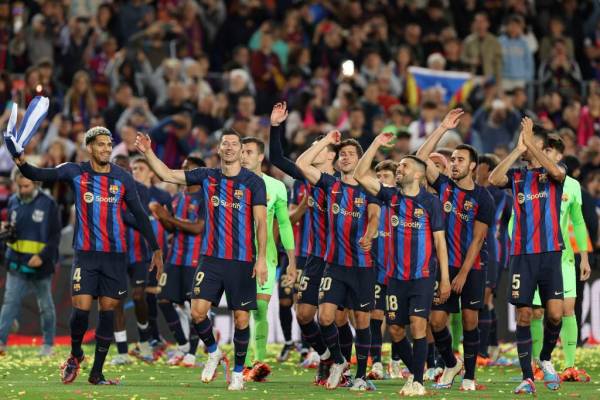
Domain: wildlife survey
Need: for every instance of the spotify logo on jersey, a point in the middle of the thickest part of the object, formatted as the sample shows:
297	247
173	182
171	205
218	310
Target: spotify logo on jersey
88	197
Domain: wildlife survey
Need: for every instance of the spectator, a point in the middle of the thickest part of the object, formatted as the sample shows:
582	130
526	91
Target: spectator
80	100
424	126
121	99
452	51
127	146
30	258
39	39
556	29
75	48
138	115
482	50
176	101
130	16
518	101
356	129
371	106
517	58
266	73
98	67
589	121
170	139
561	72
494	126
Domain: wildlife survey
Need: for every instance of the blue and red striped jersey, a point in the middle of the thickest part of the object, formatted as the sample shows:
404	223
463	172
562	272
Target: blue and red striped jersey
347	222
382	246
536	205
137	249
498	233
462	208
303	228
317	207
99	198
228	217
163	198
185	248
413	221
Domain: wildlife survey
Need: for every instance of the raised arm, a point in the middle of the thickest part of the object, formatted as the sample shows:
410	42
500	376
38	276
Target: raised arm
40	174
276	156
297	210
450	121
362	173
556	172
306	159
144	145
498	176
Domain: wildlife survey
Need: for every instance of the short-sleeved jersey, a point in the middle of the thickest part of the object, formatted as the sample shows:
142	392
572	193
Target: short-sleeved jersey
461	209
277	202
347	222
413	221
99	200
164	199
228	217
137	248
303	228
185	248
498	233
382	246
536	206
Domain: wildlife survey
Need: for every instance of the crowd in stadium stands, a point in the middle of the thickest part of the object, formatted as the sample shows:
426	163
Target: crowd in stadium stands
182	70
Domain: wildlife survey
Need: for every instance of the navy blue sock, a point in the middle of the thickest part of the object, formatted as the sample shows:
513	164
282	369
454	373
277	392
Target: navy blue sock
241	337
194	339
551	334
402	350
376	340
285	320
419	354
346	340
78	324
363	344
331	337
493	340
471	346
524	345
173	322
312	335
104	334
152	316
485	325
122	347
443	342
431	355
205	332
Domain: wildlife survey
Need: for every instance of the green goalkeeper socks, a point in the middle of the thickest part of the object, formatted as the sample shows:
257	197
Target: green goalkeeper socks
568	337
257	351
456	328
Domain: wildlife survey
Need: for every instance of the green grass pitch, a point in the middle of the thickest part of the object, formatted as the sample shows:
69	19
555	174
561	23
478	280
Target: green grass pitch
25	376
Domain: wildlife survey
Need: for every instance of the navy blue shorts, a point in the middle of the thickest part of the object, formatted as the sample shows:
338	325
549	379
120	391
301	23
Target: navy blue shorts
348	287
380	296
138	274
215	276
176	283
310	281
530	271
409	298
471	296
99	274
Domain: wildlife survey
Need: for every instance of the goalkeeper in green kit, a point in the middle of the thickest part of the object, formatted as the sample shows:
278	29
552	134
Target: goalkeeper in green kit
570	217
277	206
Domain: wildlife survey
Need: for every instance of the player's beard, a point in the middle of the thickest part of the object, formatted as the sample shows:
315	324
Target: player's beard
460	176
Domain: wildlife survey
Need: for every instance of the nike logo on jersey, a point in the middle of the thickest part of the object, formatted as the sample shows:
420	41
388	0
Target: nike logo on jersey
334	192
121	292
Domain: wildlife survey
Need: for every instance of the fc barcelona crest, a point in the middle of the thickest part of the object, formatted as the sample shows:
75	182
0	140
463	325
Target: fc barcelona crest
418	212
238	194
359	201
468	205
114	189
543	178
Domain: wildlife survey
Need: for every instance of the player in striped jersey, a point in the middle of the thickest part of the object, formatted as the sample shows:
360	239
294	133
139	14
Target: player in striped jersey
536	246
232	262
469	210
497	239
417	229
138	257
100	263
382	257
349	277
186	224
570	216
308	289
